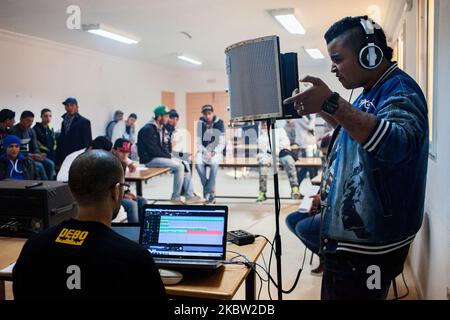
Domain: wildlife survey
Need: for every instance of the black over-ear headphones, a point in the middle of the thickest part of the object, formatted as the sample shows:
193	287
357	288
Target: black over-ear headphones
371	55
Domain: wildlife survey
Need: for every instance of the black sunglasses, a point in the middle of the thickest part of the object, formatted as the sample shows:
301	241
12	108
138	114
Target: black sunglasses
126	186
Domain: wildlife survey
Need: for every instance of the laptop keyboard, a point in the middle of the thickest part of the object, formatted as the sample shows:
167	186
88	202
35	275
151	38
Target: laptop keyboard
190	261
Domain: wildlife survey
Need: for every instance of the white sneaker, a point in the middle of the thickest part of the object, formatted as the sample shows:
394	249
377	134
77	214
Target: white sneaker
193	199
176	201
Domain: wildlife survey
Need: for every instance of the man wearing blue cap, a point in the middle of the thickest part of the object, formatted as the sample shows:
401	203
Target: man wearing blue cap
13	164
75	131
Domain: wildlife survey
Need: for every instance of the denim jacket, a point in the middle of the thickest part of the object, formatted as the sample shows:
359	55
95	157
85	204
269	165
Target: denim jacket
373	193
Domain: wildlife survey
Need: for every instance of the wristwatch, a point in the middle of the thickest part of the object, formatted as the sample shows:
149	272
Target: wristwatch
331	104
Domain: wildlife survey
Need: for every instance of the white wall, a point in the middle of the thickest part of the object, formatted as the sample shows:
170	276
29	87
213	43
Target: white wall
204	81
37	73
323	71
430	254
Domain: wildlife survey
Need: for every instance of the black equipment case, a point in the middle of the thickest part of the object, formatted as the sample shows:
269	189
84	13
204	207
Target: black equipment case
28	206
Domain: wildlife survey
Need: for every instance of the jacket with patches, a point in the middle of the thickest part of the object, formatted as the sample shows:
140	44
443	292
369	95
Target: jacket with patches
373	193
211	137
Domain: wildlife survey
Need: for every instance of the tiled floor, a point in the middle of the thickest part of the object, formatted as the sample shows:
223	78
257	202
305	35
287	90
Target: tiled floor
259	219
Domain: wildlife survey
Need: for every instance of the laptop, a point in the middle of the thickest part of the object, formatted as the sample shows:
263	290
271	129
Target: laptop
128	230
184	236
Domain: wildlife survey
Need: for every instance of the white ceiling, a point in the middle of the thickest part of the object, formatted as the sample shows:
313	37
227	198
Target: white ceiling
214	25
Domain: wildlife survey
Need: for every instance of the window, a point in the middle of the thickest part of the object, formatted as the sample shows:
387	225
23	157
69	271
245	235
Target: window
427	72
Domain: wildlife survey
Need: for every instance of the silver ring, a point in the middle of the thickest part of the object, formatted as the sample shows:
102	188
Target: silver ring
302	106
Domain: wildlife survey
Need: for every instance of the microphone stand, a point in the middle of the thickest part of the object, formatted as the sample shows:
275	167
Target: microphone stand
271	124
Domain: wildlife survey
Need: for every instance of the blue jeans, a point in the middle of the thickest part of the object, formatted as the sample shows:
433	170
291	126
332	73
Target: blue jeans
306	228
134	208
45	169
188	184
177	169
208	183
336	286
346	274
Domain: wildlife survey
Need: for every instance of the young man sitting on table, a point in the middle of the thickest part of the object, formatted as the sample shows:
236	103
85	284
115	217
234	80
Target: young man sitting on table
154	153
176	144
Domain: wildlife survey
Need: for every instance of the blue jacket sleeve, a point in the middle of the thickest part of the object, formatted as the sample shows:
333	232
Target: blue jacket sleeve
401	129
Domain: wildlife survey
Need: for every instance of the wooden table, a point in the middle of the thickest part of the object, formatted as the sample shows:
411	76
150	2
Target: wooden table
222	283
143	174
9	252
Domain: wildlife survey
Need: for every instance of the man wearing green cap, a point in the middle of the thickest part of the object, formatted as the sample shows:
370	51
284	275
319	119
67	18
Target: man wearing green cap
152	151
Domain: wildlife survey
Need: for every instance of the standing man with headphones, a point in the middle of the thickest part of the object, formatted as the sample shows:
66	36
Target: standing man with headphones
373	188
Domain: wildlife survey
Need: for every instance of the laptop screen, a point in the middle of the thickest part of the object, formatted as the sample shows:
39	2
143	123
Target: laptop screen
127	230
185	231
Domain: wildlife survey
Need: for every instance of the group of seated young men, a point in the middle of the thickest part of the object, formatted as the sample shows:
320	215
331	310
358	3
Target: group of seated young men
162	144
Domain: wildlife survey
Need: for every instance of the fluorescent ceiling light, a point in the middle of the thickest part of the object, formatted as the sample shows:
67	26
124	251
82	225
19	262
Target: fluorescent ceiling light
315	53
110	33
190	60
287	18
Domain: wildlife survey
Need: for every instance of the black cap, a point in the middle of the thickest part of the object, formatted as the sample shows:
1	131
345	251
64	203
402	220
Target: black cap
173	114
207	108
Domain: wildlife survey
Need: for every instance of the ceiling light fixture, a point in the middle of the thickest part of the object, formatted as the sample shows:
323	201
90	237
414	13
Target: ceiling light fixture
315	53
110	33
287	18
190	60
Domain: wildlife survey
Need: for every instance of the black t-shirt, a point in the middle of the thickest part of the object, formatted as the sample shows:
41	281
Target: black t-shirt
85	260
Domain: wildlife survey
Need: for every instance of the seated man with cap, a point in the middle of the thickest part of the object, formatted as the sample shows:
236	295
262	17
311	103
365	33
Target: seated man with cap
133	204
176	144
13	164
210	146
153	153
